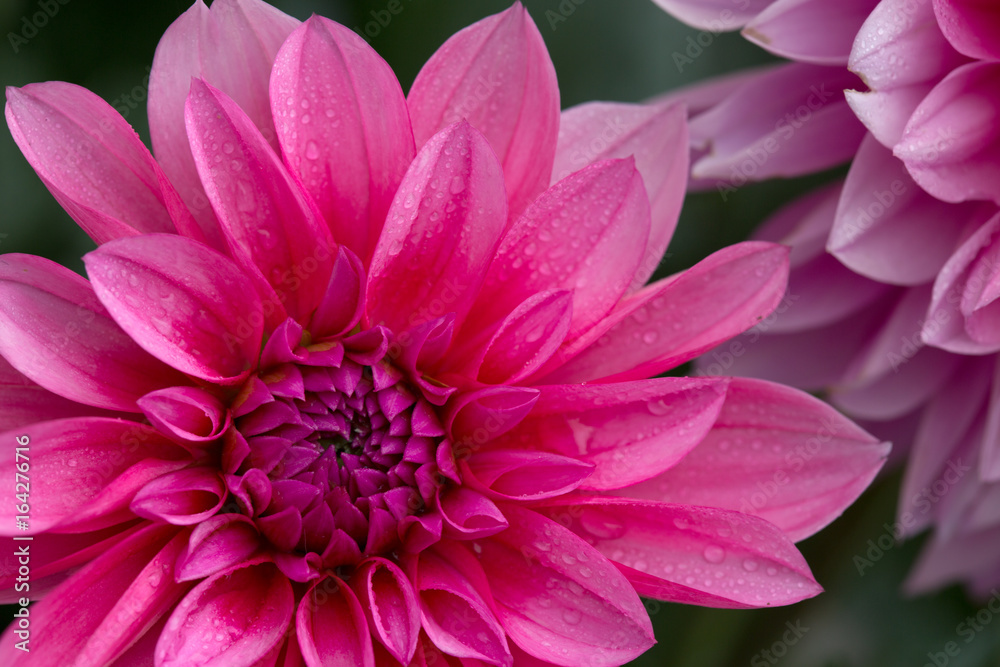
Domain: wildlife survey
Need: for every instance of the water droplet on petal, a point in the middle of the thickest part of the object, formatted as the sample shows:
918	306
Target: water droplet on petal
714	554
572	616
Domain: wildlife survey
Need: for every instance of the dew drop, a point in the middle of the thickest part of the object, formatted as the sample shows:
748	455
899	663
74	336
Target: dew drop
750	565
658	407
572	616
604	527
714	554
312	150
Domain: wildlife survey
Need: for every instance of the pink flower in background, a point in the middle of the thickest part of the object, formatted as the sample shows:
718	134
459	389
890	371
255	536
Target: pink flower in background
892	287
352	381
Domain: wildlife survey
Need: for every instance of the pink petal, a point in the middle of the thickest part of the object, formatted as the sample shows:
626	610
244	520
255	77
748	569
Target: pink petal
558	598
776	453
191	414
703	95
901	44
477	417
54	330
390	606
899	392
343	305
183	498
947	560
971	26
104	607
889	229
893	344
85	470
656	135
527	338
812	31
434	250
886	113
216	544
989	454
789	121
695	555
468	514
213	325
496	74
55	556
511	474
349	140
331	627
946	421
791	358
956	300
234	617
105	178
587	233
956	166
675	319
821	290
271	225
803	224
231	46
24	402
629	431
455	615
714	15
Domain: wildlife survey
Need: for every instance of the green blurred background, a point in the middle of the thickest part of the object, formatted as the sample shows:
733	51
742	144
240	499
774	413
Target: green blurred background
618	50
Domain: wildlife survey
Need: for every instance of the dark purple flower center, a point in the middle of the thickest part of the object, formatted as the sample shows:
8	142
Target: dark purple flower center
346	447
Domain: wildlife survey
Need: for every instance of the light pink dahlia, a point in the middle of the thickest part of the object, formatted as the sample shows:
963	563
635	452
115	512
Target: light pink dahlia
892	305
810	31
353	383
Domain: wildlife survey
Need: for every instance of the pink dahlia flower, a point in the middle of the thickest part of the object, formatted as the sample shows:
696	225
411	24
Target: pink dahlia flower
894	270
353	382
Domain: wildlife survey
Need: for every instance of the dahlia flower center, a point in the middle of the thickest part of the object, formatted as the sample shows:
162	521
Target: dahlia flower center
345	446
